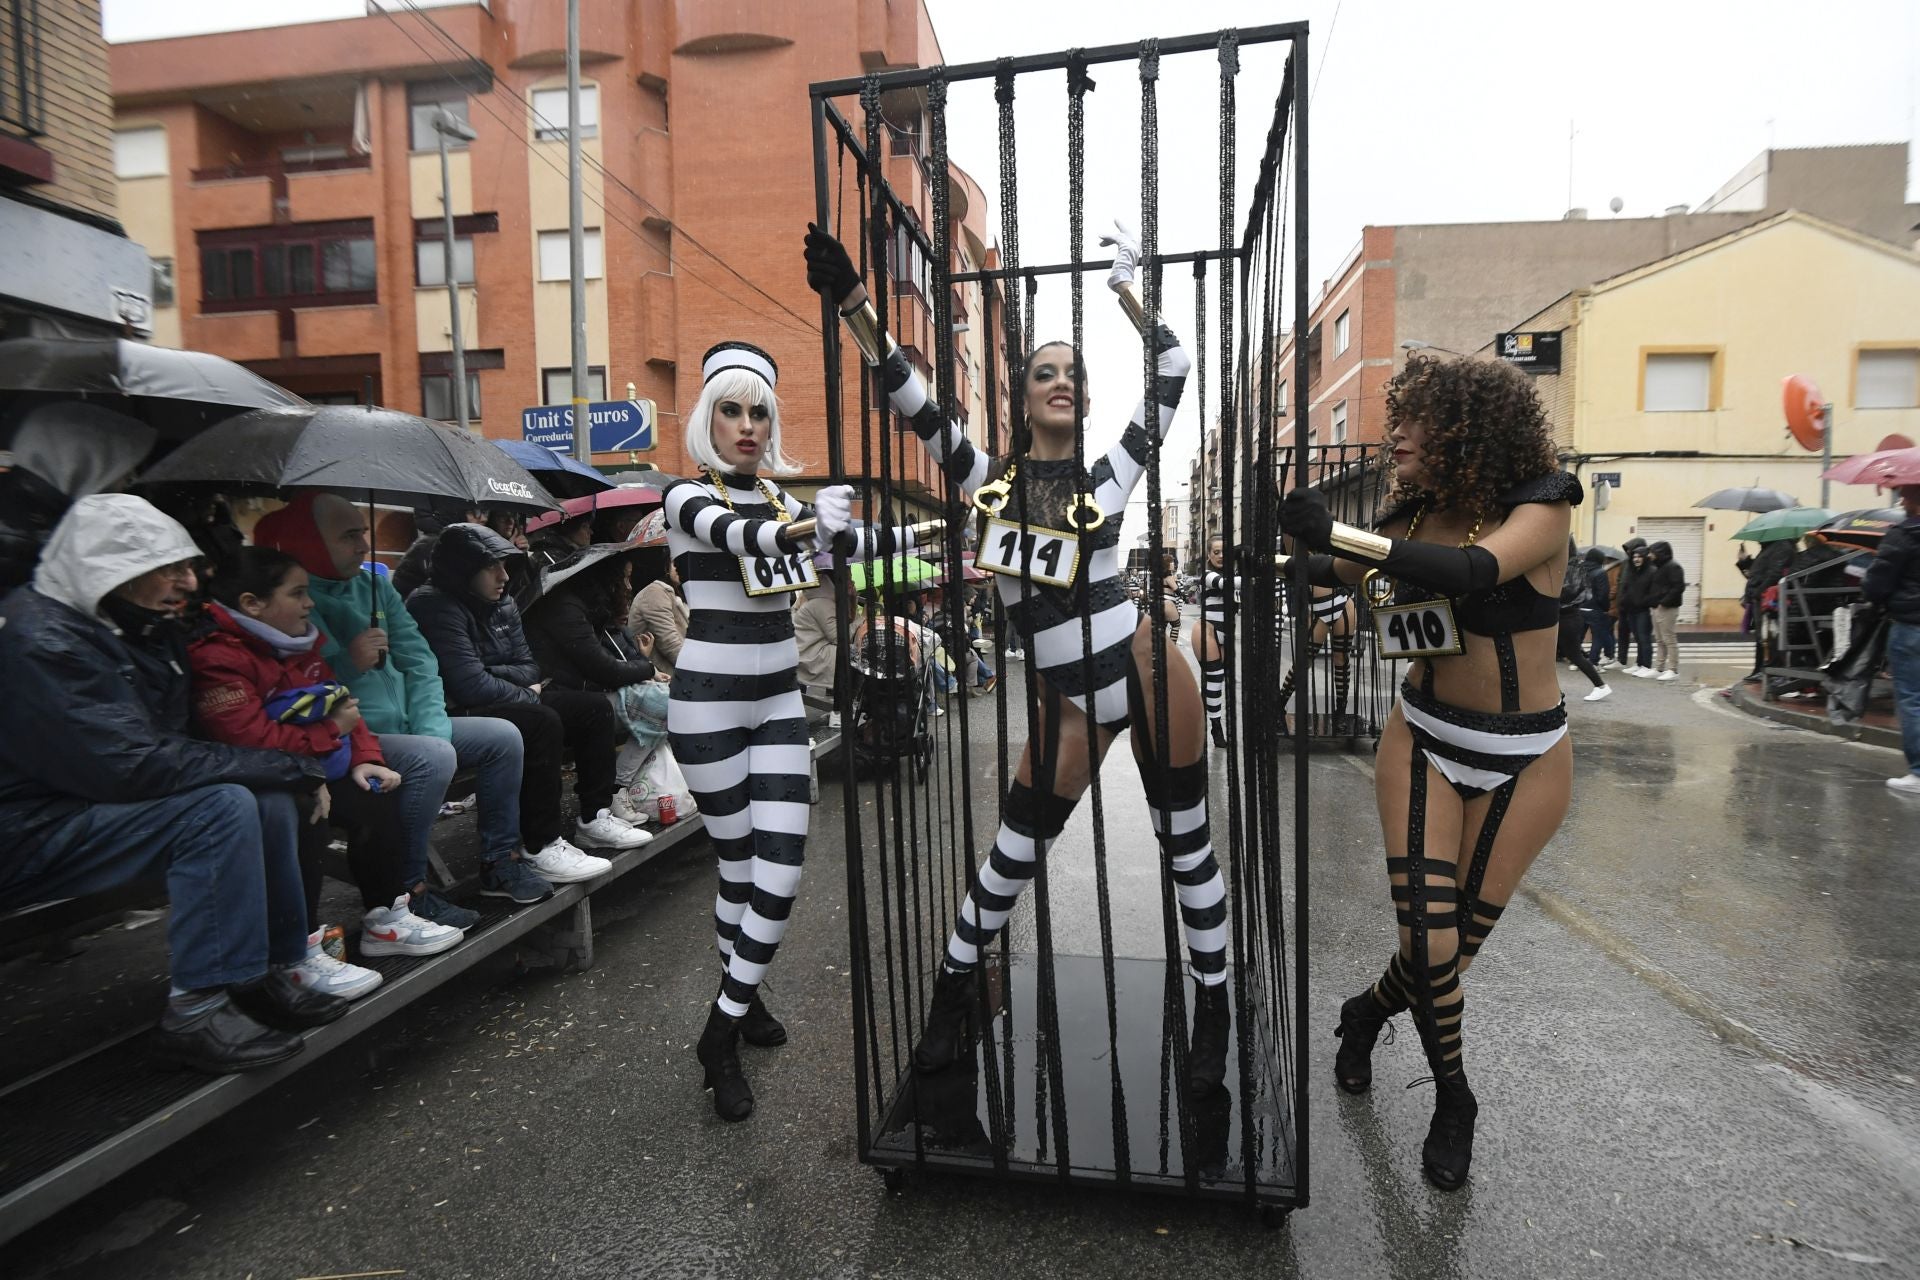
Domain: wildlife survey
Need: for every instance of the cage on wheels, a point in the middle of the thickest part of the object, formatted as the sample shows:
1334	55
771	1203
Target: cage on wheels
1125	1028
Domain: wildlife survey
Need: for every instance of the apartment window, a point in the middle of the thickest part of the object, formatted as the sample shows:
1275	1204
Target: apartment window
556	262
311	265
1340	338
140	153
906	265
1679	382
1280	404
1888	379
1340	423
423	102
556	385
436	397
550	113
430	262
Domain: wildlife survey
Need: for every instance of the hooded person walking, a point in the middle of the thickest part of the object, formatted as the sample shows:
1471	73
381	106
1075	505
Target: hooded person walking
1669	592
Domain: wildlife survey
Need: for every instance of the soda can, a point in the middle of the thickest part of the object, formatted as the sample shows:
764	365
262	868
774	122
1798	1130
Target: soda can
669	812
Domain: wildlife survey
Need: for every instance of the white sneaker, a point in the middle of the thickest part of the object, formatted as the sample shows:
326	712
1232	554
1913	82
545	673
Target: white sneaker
1604	691
1642	672
321	972
604	832
1908	784
396	931
1668	675
1605	664
625	809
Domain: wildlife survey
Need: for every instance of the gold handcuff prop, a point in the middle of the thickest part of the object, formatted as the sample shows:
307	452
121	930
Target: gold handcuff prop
1083	513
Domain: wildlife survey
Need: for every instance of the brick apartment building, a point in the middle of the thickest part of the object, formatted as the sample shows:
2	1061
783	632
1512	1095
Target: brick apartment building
1454	286
288	180
68	269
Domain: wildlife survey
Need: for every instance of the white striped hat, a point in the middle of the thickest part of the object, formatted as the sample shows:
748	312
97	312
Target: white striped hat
739	355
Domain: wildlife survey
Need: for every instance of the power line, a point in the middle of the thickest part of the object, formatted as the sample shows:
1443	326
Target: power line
606	176
515	133
1325	49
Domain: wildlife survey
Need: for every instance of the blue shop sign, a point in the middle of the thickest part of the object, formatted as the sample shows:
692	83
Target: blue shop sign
616	426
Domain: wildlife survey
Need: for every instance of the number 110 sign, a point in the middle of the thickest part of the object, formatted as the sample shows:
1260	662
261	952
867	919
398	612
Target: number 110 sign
1048	556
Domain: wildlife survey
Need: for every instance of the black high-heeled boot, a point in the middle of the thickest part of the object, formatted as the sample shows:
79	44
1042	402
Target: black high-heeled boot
1207	1058
949	1031
1361	1020
719	1053
1448	1150
760	1028
1219	731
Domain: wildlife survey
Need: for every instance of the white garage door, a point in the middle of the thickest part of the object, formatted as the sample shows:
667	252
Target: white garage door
1687	535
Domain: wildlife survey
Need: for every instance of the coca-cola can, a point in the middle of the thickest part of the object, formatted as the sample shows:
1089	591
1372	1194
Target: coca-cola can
669	811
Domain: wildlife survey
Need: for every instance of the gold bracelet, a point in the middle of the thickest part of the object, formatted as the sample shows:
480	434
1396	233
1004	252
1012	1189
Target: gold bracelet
926	529
863	322
1359	543
1130	303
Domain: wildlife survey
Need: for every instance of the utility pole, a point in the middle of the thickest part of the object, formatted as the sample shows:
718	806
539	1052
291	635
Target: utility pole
446	126
576	242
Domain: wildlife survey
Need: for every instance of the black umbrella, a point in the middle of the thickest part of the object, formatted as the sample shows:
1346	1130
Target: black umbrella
1750	498
177	392
387	455
1613	555
1862	528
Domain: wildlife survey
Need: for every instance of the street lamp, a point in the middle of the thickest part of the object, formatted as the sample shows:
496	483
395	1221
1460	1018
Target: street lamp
1415	344
447	125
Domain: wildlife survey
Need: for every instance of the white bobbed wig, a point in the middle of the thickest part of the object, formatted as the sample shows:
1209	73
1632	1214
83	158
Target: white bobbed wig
747	388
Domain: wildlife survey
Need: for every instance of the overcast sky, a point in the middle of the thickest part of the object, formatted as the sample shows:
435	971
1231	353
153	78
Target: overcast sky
1443	111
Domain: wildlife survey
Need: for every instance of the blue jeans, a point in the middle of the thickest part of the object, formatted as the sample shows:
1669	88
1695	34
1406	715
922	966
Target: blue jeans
230	861
1903	659
490	747
1601	624
1640	623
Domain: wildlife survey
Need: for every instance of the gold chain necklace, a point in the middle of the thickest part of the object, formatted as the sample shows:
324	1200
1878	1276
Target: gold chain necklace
1378	588
767	491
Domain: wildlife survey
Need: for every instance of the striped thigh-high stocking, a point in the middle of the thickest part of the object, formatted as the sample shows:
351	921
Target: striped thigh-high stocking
1030	821
1213	676
1342	672
777	788
1305	664
1179	811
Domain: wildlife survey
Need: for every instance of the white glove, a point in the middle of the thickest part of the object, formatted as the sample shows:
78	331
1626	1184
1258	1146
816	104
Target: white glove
1126	254
832	512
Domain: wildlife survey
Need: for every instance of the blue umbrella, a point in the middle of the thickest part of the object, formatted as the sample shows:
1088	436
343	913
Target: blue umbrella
563	476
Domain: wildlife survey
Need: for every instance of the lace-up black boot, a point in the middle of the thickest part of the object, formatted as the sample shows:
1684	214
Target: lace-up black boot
1207	1058
761	1029
719	1054
949	1032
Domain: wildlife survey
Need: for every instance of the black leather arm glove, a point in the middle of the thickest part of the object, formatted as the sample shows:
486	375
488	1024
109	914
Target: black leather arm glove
829	269
1448	571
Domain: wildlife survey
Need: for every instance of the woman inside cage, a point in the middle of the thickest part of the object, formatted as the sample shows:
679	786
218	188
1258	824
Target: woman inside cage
1067	518
734	714
1218	591
1333	620
1474	769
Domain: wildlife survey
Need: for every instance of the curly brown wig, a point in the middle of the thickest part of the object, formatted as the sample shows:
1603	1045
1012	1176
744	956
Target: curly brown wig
1486	431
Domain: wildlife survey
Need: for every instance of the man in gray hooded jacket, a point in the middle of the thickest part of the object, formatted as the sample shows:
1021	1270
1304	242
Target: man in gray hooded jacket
101	786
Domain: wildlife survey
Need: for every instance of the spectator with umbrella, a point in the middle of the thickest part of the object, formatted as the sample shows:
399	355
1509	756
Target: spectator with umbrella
61	451
489	670
1893	583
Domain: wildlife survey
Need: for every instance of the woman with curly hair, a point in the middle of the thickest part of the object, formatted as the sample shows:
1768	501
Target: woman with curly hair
1464	571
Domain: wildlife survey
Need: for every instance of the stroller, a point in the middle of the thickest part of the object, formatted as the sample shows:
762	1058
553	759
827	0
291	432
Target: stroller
892	691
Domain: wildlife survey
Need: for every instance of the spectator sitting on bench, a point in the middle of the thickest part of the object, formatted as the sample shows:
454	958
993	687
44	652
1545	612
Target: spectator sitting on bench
375	647
657	618
101	786
259	681
488	670
574	631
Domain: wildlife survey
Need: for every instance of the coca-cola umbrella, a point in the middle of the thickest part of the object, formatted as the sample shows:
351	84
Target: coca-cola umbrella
178	393
561	475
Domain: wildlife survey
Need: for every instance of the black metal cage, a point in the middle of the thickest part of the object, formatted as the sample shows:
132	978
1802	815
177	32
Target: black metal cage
1076	1072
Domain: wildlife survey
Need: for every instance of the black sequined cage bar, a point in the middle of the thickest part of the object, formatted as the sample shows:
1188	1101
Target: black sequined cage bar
1076	1069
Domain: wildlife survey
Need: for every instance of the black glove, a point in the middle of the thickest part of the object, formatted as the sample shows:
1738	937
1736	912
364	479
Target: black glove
829	269
1304	517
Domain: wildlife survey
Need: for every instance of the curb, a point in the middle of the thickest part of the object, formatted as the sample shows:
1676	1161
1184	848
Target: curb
1751	703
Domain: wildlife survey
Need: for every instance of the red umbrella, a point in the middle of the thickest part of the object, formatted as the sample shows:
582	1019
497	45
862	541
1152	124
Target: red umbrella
1895	462
627	495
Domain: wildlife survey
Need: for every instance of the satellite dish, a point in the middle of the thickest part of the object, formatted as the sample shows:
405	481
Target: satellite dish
1616	204
1806	411
1894	441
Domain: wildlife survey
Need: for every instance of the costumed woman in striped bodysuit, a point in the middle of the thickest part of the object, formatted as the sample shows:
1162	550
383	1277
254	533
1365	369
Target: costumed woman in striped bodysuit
1062	751
735	718
1210	637
1334	618
1474	771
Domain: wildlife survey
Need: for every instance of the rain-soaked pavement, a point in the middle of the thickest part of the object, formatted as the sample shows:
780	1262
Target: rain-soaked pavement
1693	1038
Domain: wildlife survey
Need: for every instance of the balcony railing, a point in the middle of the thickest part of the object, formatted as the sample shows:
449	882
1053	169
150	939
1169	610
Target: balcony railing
22	81
280	168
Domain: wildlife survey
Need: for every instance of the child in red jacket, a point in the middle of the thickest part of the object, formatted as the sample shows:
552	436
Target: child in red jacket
259	681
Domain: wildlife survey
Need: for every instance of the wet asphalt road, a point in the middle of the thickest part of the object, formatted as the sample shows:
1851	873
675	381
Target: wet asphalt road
1693	1038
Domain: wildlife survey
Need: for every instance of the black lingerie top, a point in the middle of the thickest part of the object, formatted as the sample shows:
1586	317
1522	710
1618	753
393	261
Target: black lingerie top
1513	605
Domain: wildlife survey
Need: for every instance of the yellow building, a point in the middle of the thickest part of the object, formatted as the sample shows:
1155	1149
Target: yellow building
1670	382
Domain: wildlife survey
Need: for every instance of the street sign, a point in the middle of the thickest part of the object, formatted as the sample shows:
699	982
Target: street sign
617	426
1607	477
1534	352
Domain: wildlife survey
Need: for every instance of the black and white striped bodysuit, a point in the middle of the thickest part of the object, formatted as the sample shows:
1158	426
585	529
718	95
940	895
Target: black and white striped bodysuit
1216	599
1049	620
735	719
